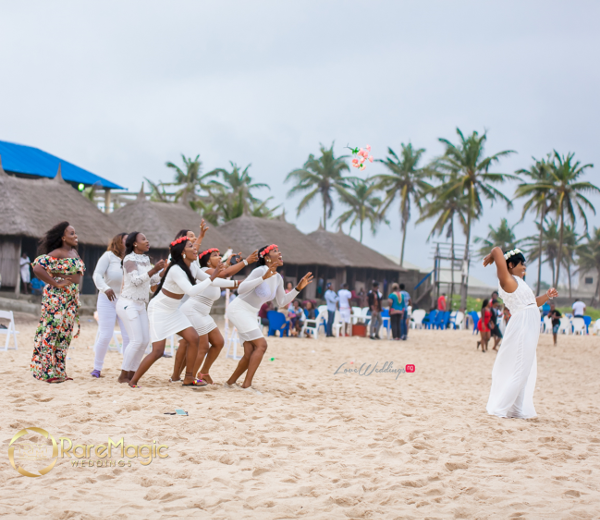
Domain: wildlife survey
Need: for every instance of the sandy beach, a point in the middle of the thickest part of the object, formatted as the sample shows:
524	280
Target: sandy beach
316	444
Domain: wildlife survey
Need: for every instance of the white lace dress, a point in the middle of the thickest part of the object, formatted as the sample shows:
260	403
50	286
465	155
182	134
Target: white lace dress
515	369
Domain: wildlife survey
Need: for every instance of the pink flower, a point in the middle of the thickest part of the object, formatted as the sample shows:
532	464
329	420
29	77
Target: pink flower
362	160
370	158
368	148
354	161
362	167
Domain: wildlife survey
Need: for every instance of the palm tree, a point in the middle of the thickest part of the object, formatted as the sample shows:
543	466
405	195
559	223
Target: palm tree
363	205
320	177
234	197
445	208
467	171
589	258
571	240
569	190
540	200
405	181
503	236
157	191
191	180
548	253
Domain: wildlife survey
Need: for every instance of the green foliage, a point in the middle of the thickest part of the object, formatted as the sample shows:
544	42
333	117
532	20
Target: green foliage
363	206
503	236
320	177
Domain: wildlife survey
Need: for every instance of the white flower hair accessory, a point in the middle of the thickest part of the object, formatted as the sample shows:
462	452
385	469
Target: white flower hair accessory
512	253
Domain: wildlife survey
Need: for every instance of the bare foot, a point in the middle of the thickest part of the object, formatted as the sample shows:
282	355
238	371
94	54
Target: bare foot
206	377
124	377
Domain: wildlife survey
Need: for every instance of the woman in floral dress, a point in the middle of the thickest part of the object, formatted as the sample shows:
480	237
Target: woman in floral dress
61	269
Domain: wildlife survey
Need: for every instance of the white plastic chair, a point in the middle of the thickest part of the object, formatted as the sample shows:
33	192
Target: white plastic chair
338	324
458	319
579	326
312	326
10	331
547	325
417	319
357	315
565	326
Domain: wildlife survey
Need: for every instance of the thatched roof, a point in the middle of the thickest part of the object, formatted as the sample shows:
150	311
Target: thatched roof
29	207
160	222
351	252
250	233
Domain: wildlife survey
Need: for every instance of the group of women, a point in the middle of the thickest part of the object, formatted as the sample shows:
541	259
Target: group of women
146	300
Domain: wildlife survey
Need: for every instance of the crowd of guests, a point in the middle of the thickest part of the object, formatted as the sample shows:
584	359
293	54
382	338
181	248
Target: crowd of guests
342	302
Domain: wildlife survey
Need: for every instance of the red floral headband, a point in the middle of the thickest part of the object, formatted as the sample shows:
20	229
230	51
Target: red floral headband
179	240
267	250
208	251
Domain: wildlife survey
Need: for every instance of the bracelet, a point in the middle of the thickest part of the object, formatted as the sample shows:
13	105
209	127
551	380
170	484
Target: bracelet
548	296
245	261
297	288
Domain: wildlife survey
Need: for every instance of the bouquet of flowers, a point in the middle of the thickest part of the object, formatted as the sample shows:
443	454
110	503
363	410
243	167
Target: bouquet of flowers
362	156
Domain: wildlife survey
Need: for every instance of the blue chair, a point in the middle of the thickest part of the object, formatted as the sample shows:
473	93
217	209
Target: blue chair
385	321
277	322
588	321
432	319
475	319
443	320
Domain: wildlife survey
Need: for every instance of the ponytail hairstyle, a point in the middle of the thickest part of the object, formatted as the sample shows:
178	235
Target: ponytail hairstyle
52	239
176	252
116	245
129	241
514	257
263	252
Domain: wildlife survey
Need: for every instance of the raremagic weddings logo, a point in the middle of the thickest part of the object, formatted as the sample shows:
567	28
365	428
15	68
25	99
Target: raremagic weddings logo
33	452
366	370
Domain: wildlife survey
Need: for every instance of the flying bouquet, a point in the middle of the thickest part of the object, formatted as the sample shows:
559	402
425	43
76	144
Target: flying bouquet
362	156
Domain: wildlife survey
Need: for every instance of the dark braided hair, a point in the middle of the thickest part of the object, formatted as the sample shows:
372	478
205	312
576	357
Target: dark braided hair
129	241
52	239
176	252
182	233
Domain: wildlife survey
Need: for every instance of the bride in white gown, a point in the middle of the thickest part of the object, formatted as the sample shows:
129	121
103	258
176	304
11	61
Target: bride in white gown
515	368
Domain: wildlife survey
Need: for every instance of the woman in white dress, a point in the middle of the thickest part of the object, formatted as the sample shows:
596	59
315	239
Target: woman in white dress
164	314
108	278
515	368
139	276
263	285
198	308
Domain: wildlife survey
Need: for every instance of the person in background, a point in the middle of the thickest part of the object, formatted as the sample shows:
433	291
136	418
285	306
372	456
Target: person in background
331	298
320	285
264	309
396	311
108	278
484	325
289	286
494	328
297	317
37	286
578	308
362	298
374	298
309	310
24	263
441	303
407	302
344	296
555	315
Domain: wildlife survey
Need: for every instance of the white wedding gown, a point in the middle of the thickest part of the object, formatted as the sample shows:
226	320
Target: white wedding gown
515	368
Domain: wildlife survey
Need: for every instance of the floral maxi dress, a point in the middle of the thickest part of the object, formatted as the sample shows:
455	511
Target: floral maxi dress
59	314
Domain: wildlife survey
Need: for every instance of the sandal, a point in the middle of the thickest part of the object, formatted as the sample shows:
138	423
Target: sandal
54	380
197	382
134	386
171	380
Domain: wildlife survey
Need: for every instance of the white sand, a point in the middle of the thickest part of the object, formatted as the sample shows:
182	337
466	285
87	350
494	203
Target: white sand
316	445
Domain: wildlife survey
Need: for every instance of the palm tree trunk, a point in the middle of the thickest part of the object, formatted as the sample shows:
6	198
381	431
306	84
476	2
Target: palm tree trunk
324	215
465	271
569	275
361	230
560	245
452	264
404	222
540	245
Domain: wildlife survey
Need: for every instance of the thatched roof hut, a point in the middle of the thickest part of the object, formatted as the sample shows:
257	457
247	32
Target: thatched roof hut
252	233
363	265
300	254
29	207
160	222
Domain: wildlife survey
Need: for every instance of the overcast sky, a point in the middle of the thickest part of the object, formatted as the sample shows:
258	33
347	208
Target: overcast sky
121	87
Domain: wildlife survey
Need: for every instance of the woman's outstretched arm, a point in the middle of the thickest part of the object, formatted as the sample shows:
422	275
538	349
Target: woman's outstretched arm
507	281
